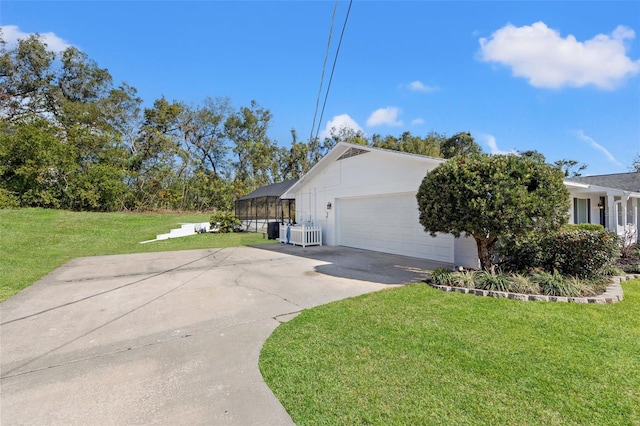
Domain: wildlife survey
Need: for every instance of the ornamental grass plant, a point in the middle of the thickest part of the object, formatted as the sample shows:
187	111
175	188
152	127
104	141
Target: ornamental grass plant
520	283
441	276
488	280
554	284
465	279
551	284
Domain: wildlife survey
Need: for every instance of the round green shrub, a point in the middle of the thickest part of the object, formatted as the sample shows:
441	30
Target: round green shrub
224	221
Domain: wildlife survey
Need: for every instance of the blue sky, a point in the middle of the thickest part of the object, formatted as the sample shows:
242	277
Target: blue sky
562	78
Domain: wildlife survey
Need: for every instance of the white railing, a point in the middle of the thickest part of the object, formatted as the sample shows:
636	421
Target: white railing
301	235
628	233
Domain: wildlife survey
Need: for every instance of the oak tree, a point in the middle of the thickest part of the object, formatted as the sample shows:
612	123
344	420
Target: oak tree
459	144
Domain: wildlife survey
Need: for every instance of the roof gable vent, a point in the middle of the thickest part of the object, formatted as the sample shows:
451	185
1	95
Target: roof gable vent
352	152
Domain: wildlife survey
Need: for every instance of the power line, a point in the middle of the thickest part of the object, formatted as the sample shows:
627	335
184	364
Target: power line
333	68
324	65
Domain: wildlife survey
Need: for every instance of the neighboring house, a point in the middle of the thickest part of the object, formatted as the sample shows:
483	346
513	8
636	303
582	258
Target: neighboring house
365	197
610	200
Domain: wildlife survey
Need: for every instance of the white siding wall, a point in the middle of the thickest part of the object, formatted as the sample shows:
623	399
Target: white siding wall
466	252
368	174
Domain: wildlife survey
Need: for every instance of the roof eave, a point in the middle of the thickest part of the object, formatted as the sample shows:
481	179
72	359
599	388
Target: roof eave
597	188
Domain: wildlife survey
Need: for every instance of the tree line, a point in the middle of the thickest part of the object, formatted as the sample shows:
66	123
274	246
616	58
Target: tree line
71	138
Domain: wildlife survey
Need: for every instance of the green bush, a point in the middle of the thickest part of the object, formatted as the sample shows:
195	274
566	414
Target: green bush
521	254
582	227
572	252
580	253
224	221
8	200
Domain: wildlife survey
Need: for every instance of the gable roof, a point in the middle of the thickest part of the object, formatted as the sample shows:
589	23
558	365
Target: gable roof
345	150
273	190
623	181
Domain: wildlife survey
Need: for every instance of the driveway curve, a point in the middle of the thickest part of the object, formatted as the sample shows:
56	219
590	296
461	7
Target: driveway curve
169	338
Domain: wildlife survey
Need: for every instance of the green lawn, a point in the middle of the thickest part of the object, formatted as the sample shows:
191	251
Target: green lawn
415	355
33	242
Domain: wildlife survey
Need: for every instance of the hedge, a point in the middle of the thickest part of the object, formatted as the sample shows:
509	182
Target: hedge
572	252
580	253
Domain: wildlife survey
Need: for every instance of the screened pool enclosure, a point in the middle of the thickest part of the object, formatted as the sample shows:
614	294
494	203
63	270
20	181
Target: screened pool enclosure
264	205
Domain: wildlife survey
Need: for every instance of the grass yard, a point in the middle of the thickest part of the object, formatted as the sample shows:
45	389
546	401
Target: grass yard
33	242
415	355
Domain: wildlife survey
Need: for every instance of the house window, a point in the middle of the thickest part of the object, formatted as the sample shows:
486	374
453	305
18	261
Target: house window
581	210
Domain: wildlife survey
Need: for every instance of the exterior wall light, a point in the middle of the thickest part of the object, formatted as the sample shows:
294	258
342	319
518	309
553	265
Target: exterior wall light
329	205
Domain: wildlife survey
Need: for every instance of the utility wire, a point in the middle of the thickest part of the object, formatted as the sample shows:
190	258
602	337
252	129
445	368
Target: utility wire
333	68
324	65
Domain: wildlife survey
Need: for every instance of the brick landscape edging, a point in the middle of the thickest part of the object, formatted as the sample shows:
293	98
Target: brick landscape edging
612	294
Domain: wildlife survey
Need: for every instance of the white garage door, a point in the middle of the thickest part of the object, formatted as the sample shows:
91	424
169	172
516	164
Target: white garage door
389	224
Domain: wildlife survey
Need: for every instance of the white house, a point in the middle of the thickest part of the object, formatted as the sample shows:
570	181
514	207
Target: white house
610	200
365	197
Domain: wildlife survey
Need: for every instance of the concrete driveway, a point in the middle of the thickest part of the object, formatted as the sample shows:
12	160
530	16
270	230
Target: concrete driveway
169	338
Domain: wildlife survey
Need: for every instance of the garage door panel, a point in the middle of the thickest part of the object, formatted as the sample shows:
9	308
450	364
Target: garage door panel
426	251
389	224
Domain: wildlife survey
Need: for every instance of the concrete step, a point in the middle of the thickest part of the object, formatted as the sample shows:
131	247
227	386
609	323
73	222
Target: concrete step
185	230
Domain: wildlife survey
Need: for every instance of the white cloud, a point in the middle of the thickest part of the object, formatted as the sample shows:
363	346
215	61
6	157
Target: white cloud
338	122
418	86
417	121
493	145
541	55
11	34
382	116
599	147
